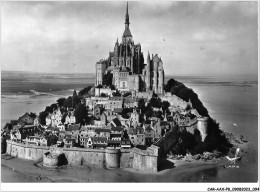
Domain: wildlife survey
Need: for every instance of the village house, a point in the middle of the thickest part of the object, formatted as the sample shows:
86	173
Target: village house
96	142
116	135
82	136
26	131
56	117
137	136
103	119
69	142
26	119
114	102
70	118
91	102
48	120
103	133
110	115
106	91
149	135
53	130
118	111
130	102
134	118
97	111
37	140
125	143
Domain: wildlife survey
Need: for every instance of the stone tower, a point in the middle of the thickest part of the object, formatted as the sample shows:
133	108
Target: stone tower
148	73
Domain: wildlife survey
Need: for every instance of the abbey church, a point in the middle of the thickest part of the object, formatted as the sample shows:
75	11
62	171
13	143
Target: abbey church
126	63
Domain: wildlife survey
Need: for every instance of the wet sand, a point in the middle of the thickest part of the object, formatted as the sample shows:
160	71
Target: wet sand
19	170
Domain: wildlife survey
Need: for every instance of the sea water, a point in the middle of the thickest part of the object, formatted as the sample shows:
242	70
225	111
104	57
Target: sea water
233	102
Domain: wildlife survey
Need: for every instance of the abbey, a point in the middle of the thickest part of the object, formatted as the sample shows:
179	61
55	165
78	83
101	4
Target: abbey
126	64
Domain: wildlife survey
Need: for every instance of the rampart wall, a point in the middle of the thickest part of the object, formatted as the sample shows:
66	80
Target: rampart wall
109	158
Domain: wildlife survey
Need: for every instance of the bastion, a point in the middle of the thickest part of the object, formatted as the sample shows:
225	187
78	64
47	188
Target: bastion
203	127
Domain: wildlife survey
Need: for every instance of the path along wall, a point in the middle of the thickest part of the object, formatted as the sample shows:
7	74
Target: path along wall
109	158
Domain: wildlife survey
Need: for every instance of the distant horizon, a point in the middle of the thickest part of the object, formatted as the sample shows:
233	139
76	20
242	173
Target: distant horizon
167	75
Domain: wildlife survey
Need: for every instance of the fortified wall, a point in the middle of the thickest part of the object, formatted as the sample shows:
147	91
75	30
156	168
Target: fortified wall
108	158
143	160
166	142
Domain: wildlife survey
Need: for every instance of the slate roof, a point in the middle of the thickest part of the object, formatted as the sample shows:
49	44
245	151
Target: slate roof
116	98
99	140
129	99
117	122
73	127
164	123
118	110
118	129
98	131
53	129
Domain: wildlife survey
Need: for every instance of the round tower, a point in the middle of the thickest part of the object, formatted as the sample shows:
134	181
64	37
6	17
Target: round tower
203	127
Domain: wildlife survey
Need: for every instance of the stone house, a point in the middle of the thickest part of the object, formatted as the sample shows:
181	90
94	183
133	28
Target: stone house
69	142
102	133
110	115
26	119
134	118
125	143
25	131
129	102
56	117
97	110
149	135
103	119
82	137
137	136
114	102
96	142
48	120
70	118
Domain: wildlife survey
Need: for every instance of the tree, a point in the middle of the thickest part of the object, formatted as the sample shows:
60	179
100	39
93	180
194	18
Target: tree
148	112
54	106
103	95
165	106
74	98
48	109
155	102
68	102
33	115
99	86
84	91
107	79
169	85
61	101
42	117
141	104
81	113
116	94
125	112
112	87
127	94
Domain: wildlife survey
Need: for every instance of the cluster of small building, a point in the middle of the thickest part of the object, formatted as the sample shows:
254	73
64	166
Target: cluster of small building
107	129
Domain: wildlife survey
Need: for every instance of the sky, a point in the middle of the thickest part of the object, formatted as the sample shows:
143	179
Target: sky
192	38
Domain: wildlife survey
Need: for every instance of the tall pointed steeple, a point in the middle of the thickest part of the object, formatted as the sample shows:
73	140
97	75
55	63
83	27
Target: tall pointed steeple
127	34
127	15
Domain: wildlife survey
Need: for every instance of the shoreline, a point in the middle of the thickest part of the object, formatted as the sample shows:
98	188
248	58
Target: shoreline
29	172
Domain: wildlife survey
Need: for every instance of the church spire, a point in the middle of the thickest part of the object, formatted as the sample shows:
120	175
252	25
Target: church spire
127	34
127	15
